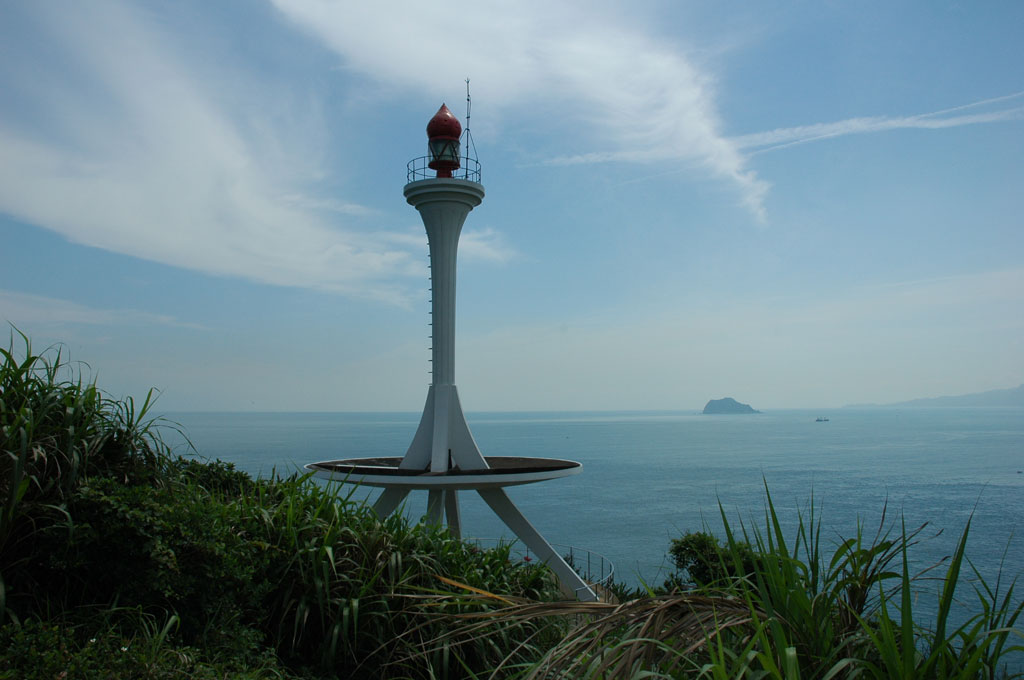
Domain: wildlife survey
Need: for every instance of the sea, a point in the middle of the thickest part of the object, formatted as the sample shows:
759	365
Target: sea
649	477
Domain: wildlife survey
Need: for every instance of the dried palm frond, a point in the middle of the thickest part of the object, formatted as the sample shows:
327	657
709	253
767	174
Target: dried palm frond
604	640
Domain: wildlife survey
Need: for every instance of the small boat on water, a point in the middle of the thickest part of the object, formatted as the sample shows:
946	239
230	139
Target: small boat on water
819	419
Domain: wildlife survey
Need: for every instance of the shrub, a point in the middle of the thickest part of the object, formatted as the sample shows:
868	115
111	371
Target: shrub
39	649
176	549
216	477
56	431
346	582
700	560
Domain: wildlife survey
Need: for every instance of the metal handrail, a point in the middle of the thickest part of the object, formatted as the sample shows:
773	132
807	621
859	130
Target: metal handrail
572	554
418	168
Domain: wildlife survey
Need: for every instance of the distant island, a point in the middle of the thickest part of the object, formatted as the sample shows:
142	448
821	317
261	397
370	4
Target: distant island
727	405
1013	397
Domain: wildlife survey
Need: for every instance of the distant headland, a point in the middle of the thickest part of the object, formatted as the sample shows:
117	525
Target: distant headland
727	405
1011	398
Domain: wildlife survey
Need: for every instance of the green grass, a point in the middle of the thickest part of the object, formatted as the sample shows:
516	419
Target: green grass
778	607
120	559
56	431
106	531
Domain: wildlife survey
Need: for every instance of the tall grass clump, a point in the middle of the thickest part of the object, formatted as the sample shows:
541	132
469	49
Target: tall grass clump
764	604
347	584
56	430
831	613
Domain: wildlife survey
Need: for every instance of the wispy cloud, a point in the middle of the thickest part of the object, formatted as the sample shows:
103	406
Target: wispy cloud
477	244
139	154
25	310
782	138
327	205
485	245
579	67
115	136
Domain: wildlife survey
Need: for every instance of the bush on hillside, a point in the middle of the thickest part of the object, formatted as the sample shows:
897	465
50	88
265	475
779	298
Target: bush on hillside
56	430
102	527
40	649
700	560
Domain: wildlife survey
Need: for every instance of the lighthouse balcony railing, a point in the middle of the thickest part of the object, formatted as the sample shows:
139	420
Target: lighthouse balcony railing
419	168
593	567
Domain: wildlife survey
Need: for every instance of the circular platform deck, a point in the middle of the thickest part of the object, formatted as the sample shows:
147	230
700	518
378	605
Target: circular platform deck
502	471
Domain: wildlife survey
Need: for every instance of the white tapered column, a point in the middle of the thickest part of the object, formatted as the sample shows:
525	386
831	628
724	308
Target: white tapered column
443	439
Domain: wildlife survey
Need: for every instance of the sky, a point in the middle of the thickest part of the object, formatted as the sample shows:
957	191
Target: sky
794	204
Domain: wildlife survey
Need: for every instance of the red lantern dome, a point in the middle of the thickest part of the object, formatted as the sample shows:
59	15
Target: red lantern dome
444	124
444	131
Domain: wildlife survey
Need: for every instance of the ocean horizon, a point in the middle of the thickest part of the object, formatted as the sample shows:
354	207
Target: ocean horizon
649	476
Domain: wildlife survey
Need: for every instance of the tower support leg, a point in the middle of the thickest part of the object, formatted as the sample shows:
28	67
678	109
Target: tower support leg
572	585
435	506
388	501
441	504
451	511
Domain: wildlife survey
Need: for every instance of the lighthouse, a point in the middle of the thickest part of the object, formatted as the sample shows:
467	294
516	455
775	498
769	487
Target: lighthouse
443	441
443	457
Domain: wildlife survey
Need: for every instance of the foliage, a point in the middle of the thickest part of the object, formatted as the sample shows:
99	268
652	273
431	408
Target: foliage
798	613
118	559
172	549
637	638
973	649
827	615
813	606
38	649
57	430
103	526
293	567
700	560
347	580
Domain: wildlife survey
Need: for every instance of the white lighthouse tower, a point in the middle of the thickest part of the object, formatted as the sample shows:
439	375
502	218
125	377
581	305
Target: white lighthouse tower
443	457
443	440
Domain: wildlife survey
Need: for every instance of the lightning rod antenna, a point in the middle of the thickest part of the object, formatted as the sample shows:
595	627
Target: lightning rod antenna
469	137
